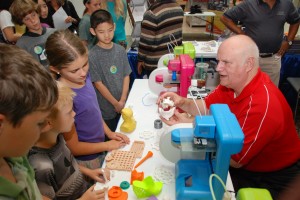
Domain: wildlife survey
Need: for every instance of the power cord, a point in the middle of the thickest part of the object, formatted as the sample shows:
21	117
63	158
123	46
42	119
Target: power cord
227	195
195	103
202	101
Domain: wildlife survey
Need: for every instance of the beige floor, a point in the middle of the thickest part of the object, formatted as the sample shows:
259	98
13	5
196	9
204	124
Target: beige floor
195	33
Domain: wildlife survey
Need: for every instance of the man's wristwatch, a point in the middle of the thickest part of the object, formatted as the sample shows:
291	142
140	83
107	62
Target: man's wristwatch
288	41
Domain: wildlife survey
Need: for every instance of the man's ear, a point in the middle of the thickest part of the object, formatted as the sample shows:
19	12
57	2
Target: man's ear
250	64
114	26
92	31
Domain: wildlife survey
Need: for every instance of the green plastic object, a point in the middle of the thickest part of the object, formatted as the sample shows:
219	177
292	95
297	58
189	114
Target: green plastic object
147	187
178	50
189	48
166	62
124	185
253	194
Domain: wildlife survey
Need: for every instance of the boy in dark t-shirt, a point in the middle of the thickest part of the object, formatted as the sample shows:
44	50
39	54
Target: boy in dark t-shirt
57	173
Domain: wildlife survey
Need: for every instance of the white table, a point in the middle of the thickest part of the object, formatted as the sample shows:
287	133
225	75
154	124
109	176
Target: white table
206	49
143	103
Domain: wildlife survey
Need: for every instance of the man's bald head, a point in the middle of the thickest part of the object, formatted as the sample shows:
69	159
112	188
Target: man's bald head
243	47
238	62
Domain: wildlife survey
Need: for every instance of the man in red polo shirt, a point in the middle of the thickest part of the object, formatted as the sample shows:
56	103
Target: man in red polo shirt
271	150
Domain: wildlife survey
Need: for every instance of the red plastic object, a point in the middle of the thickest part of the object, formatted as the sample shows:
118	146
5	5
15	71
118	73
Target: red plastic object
136	176
149	155
159	78
116	193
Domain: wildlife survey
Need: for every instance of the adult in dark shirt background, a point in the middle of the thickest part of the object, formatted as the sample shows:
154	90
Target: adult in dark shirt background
54	5
263	21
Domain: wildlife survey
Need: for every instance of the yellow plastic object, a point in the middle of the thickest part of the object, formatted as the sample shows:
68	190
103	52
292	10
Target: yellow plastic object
129	123
147	187
253	194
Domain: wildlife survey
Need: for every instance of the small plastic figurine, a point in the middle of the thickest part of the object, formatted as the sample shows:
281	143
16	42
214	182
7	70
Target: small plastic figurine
129	122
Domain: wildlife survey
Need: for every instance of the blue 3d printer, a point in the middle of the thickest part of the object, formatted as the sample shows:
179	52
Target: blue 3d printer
216	137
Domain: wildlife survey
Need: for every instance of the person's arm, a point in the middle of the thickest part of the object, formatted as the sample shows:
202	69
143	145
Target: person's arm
106	94
10	35
235	164
236	14
140	66
124	92
178	118
293	29
115	136
185	104
96	174
73	13
231	25
79	148
92	194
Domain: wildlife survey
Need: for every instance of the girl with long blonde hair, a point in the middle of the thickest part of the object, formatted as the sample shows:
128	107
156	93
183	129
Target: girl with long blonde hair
118	10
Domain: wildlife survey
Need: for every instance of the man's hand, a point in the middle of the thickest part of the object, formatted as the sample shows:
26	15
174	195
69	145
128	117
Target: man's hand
178	100
284	47
140	66
178	118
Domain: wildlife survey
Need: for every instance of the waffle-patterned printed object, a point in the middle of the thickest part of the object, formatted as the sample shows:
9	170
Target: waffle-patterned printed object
138	148
120	160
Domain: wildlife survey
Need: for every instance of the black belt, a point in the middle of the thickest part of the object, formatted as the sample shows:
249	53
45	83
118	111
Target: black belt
266	55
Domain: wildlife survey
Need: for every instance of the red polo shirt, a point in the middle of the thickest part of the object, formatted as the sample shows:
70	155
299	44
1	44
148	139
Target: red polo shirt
271	141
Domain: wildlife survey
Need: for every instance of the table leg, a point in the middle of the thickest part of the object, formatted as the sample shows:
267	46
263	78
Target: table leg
212	26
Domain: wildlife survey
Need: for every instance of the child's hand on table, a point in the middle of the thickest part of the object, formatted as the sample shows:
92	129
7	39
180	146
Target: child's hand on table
92	194
115	144
119	137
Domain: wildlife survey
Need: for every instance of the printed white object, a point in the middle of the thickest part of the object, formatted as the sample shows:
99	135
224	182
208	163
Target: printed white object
166	108
166	114
146	135
164	175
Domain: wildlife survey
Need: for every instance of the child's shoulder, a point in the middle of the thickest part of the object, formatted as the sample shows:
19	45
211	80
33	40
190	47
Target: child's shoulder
95	51
48	29
119	47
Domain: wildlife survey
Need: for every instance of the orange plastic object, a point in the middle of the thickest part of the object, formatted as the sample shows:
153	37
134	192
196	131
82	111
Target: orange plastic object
136	176
116	193
149	155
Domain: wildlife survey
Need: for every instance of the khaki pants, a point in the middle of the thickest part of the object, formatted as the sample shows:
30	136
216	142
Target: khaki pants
271	66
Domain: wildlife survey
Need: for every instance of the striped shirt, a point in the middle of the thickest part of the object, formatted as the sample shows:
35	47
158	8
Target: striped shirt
163	19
